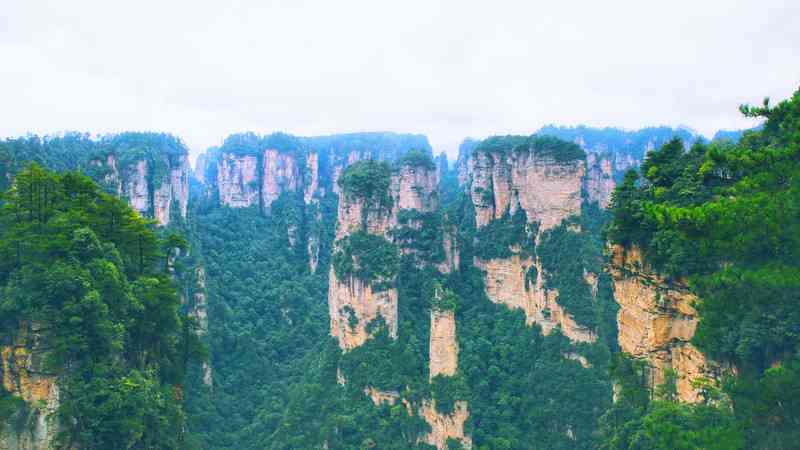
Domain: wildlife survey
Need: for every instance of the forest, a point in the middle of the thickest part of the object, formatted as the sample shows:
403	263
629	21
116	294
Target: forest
213	331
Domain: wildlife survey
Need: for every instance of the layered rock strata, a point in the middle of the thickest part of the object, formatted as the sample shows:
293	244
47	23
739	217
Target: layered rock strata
507	282
23	375
657	321
548	190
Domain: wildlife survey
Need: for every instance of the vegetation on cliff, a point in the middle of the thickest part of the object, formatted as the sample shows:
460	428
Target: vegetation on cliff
542	146
417	158
368	180
727	217
367	257
93	276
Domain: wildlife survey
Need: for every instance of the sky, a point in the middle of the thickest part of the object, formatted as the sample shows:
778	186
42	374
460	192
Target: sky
447	69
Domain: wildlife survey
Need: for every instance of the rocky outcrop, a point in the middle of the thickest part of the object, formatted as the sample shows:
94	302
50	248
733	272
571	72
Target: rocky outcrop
443	344
312	185
452	254
508	283
656	322
548	190
199	311
157	192
599	180
237	180
445	426
172	193
353	304
279	174
416	188
23	375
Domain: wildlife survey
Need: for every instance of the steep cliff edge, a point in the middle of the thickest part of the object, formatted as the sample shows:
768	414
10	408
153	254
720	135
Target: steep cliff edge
657	321
542	178
443	354
150	170
22	372
361	284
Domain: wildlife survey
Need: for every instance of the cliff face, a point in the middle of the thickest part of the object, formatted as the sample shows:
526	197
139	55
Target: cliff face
352	303
444	427
280	174
22	374
548	190
443	344
656	321
155	188
507	283
237	180
599	179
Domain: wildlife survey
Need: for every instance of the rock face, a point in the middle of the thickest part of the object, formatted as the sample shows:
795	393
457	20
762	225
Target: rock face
452	254
416	189
599	179
656	321
23	375
353	304
237	180
199	311
548	190
445	426
507	283
443	343
280	174
157	192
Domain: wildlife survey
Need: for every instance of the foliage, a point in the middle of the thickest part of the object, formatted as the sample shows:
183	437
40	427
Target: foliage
268	317
562	253
640	419
367	257
87	269
543	146
368	180
727	216
420	232
504	237
417	158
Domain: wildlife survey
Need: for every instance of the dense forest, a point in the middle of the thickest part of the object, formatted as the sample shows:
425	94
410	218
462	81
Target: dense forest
725	216
213	329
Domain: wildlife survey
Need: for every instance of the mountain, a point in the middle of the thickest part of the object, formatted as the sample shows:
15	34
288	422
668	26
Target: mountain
354	292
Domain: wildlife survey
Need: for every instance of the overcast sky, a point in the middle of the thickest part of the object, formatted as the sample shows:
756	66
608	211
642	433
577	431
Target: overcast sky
204	69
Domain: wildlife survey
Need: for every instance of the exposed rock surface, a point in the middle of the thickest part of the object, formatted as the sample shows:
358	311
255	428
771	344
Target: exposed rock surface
656	321
199	311
443	343
23	374
158	195
445	426
507	283
417	189
452	254
237	180
280	174
548	190
599	179
353	304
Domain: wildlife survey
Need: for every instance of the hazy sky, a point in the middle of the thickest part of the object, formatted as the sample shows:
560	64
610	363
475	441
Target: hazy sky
204	69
